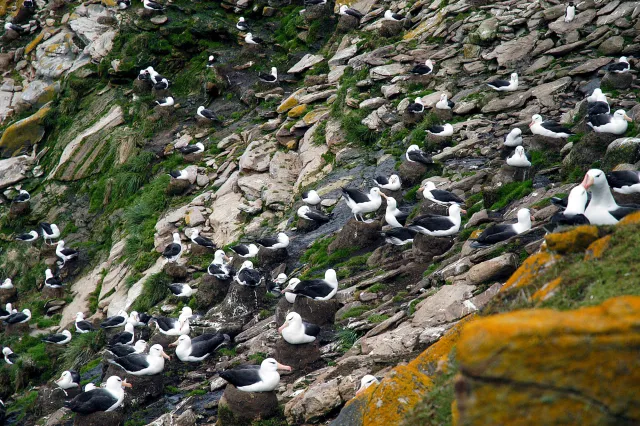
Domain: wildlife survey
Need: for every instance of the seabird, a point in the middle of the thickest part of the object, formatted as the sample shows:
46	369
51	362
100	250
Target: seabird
246	251
311	197
275	286
439	196
65	254
603	209
242	25
501	232
125	337
83	326
615	124
398	236
437	225
318	289
548	128
253	378
597	103
120	350
143	319
314	2
211	61
573	214
346	10
423	69
219	267
206	113
162	84
513	138
165	102
50	231
19	317
247	275
314	216
143	364
9	356
192	149
361	203
68	379
519	158
504	85
123	4
416	107
173	326
117	320
7	284
444	103
100	399
394	216
391	184
90	386
624	181
415	155
444	130
13	27
152	5
179	174
297	332
250	39
172	251
182	290
22	197
390	16
28	237
570	12
58	339
199	348
621	66
6	311
198	239
367	381
50	280
269	78
279	242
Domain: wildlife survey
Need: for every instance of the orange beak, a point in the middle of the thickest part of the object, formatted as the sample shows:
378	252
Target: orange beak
282	327
587	181
125	384
165	356
531	124
626	117
382	193
174	343
284	367
533	219
463	211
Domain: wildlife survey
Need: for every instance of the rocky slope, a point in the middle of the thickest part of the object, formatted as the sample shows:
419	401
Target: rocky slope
84	136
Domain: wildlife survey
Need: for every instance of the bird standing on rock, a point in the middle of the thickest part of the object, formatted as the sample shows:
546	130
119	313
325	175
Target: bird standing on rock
206	113
570	12
173	251
361	203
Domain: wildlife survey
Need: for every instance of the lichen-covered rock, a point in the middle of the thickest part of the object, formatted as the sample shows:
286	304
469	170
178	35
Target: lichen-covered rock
529	269
23	134
572	241
549	367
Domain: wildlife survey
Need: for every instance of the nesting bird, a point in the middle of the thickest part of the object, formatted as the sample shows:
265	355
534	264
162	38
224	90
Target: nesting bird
182	290
59	338
423	69
297	332
65	254
143	364
505	85
19	317
100	399
346	10
318	289
391	184
28	237
444	102
624	181
437	225
196	148
83	326
548	128
615	124
246	251
366	381
220	267
390	16
444	130
199	240
573	214
311	197
206	114
68	379
501	232
439	196
250	39
603	209
519	158
51	280
173	251
313	215
165	102
269	78
199	348
242	24
279	242
121	350
248	276
7	284
399	236
416	107
415	155
22	197
620	67
253	378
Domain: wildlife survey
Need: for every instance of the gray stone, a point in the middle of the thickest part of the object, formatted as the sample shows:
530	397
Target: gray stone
494	269
612	45
305	63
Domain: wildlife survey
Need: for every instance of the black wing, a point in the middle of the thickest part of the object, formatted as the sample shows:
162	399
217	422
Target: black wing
214	269
241	376
84	325
560	220
436	129
312	288
555	127
165	323
381	180
75	376
175	174
208	114
249	276
242	250
311	329
356	195
623	178
402	217
599	120
600	107
618	66
420	69
203	347
68	252
354	13
496	233
46	228
446	196
133	362
176	289
624	210
121	338
172	250
205	242
16	318
54	338
92	401
432	223
189	149
120	350
450	103
499	83
318	217
267	242
415	107
419	157
112	322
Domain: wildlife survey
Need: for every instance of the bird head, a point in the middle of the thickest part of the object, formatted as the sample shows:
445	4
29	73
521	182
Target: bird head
520	151
514	77
594	177
292	318
429	63
271	364
182	339
535	119
157	350
622	115
524	216
367	381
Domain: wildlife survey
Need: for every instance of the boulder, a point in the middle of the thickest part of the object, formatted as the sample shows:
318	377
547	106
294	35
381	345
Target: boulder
411	174
347	23
390	28
318	312
52	293
143	388
356	235
617	81
575	240
177	186
298	357
238	306
316	11
176	271
23	134
237	408
16	329
269	258
444	115
494	269
198	250
592	146
50	398
426	247
304	225
410	118
100	418
211	291
18	210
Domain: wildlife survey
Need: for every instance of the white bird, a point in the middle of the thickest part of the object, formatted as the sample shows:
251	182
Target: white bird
196	148
19	317
624	181
199	348
89	387
22	197
251	378
152	5
394	216
621	66
367	381
83	326
416	107
311	197
513	138
206	113
603	209
423	69
173	326
390	16
597	103
100	399
173	251
444	130
573	214
297	332
318	289
444	103
180	174
9	356
246	251
437	225
162	84
219	267
391	184
313	215
570	12
118	320
439	196
28	237
269	78
68	379
7	284
166	102
242	25
279	242
548	128
65	254
125	337
211	61
504	85
7	311
50	231
250	39
615	124
519	158
361	203
501	232
143	364
124	350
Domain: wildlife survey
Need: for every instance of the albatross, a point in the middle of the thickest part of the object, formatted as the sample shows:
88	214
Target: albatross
247	275
51	280
173	251
620	67
199	348
361	203
391	184
22	197
64	253
121	350
173	326
253	378
439	196
366	381
196	148
390	16
311	197
548	128
7	284
437	225
574	213
182	290
246	251
59	338
313	215
346	10
519	158
19	317
416	107
199	240
100	399
318	289
83	326
50	231
143	364
399	236
9	356
297	332
505	85
269	78
117	320
125	337
415	155
394	216
603	209
444	103
206	114
501	232
423	69
624	181
442	130
220	267
68	379
615	124
242	24
279	242
28	237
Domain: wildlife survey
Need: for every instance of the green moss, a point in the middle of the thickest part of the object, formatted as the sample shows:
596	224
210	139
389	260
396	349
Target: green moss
356	311
346	338
378	287
510	192
258	357
23	405
90	365
377	318
154	289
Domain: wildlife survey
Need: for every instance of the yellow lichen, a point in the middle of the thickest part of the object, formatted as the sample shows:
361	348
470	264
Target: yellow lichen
290	102
596	249
573	241
529	270
297	111
630	219
547	290
33	43
23	133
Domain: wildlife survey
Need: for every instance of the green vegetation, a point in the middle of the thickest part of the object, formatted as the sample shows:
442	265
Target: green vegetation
377	318
510	192
317	256
22	406
258	357
347	338
356	311
154	289
376	288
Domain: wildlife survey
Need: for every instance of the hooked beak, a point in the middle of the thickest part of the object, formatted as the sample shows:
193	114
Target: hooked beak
174	343
226	258
165	356
587	181
531	124
629	119
421	189
382	193
283	367
283	326
533	219
126	384
463	211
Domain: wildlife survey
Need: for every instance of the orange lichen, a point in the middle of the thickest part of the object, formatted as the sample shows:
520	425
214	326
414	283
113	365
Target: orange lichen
596	249
547	367
33	43
574	241
630	219
547	290
529	270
